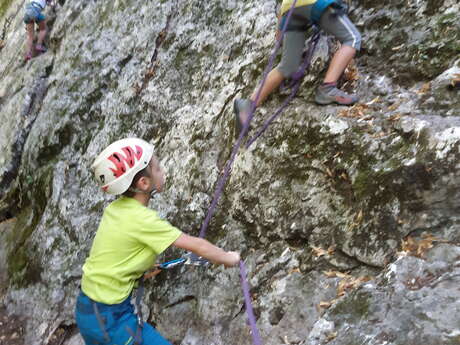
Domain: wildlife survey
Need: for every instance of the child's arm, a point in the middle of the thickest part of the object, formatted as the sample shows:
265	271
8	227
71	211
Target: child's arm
207	250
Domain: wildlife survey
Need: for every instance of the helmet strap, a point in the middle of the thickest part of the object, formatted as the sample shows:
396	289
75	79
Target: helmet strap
137	190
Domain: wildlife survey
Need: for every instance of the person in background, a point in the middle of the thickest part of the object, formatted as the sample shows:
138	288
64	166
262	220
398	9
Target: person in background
33	15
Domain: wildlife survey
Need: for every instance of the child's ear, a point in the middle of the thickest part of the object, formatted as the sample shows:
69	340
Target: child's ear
142	183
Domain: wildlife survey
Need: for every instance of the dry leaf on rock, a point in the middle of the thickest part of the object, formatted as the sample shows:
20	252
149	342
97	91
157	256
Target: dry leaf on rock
331	336
424	89
419	247
324	304
456	81
318	252
357	111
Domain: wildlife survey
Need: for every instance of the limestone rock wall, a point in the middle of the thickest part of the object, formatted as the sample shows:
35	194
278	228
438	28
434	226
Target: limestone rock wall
362	194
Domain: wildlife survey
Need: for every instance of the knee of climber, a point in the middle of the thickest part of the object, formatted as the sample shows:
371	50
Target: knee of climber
287	70
353	41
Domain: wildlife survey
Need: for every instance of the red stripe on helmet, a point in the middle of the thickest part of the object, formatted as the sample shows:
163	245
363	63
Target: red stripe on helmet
124	162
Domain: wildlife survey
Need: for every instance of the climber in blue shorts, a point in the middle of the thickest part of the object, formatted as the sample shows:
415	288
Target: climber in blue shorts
329	15
127	242
33	14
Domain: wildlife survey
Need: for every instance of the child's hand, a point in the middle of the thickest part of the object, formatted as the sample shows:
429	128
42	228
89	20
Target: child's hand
231	259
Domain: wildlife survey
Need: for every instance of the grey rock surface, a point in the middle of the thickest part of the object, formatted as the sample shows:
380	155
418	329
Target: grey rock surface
325	189
413	301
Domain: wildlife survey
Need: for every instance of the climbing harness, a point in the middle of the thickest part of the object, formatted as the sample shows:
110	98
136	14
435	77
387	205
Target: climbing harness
187	259
140	319
100	321
320	6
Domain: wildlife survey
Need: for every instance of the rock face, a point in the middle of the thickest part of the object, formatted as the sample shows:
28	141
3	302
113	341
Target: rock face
347	218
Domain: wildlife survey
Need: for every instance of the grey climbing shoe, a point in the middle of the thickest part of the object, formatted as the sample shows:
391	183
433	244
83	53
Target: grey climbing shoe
331	94
242	107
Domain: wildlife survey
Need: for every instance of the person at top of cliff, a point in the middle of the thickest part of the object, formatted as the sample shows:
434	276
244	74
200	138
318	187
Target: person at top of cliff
329	15
33	14
129	237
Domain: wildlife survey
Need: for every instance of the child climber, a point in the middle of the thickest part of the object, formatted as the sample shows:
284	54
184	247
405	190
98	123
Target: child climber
33	14
129	237
331	16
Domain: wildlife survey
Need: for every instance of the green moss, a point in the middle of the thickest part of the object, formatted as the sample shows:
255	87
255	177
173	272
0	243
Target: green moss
23	264
181	57
353	308
449	18
4	6
20	262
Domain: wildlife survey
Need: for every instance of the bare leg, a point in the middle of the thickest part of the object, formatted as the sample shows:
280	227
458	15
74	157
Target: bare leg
339	62
42	33
327	92
274	79
30	37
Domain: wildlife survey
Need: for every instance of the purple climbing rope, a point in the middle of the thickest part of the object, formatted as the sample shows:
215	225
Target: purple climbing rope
236	146
257	340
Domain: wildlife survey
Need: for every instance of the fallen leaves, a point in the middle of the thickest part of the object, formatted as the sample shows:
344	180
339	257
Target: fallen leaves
397	47
418	247
331	336
351	72
359	217
318	251
357	111
424	89
394	106
350	283
395	117
347	282
326	304
357	221
456	81
379	135
294	270
375	100
336	274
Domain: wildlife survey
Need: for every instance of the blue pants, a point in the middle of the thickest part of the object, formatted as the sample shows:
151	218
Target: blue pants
120	324
33	14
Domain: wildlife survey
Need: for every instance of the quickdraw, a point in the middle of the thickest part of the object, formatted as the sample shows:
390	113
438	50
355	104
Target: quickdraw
187	259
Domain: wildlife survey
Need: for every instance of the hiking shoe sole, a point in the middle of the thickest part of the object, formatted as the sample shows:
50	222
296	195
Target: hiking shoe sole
240	105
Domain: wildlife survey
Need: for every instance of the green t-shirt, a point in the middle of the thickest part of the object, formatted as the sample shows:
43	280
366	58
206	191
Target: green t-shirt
128	239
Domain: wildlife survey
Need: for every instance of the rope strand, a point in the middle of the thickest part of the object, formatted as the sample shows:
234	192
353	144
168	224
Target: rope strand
257	340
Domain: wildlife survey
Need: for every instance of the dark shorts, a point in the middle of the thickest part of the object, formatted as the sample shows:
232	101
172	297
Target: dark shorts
337	25
33	14
119	322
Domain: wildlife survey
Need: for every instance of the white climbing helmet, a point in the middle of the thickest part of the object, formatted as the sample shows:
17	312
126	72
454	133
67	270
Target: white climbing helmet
116	166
